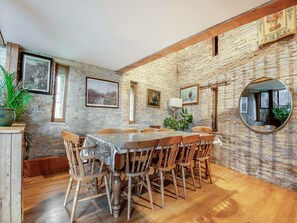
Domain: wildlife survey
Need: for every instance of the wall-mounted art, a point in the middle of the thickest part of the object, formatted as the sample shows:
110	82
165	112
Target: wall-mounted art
36	73
190	94
153	98
277	25
102	93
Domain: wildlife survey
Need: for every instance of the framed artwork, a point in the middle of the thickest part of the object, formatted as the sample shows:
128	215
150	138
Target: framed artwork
277	25
102	93
264	100
36	73
190	94
153	98
243	104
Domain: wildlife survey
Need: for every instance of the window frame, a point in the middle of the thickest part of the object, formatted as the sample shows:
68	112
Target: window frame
132	85
55	93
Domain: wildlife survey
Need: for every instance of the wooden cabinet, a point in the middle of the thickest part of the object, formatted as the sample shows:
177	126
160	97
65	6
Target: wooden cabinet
11	169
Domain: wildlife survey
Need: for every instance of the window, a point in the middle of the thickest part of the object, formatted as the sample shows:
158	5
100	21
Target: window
215	109
60	94
132	102
215	46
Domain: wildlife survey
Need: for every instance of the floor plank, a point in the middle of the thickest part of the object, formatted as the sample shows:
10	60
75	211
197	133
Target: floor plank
233	197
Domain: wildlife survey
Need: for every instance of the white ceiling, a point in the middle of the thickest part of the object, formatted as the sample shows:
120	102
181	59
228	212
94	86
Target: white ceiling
111	33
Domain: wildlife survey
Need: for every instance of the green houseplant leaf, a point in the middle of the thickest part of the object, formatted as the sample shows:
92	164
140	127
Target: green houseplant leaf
12	95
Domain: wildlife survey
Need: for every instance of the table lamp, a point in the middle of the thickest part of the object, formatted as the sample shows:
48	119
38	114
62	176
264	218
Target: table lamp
175	103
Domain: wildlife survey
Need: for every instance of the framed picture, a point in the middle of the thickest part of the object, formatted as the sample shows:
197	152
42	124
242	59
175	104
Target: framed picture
264	100
36	73
153	98
190	94
243	104
102	93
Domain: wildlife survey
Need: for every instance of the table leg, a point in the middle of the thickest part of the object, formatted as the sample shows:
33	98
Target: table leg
116	189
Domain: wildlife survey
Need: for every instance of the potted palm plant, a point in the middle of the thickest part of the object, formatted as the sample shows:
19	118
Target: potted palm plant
14	100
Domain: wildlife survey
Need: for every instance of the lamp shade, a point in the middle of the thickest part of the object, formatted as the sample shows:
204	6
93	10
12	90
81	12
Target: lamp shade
175	102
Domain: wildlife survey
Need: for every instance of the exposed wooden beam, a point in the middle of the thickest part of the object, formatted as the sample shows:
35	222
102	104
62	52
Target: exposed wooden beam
223	27
12	57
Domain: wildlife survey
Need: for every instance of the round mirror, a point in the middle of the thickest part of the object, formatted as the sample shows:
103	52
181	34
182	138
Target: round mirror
265	105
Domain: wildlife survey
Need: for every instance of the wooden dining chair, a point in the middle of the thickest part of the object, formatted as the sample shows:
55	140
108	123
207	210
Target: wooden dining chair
131	130
185	161
166	162
165	130
137	162
203	154
110	131
148	130
82	172
202	129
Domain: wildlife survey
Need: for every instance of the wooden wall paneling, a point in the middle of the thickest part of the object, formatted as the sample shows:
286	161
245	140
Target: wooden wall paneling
5	177
16	177
11	139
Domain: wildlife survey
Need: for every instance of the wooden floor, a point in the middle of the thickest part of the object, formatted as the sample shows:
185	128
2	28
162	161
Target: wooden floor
233	197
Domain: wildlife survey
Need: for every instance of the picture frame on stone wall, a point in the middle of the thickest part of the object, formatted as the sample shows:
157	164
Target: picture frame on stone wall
102	93
243	104
264	102
190	94
36	73
153	98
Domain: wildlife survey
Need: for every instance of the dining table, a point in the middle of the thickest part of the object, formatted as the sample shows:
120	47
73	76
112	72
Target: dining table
110	149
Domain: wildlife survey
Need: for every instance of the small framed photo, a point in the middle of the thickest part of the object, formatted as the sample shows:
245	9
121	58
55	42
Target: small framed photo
153	98
102	93
243	104
264	100
36	73
190	94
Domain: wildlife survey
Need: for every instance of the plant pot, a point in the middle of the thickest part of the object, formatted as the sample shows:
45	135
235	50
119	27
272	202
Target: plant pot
7	116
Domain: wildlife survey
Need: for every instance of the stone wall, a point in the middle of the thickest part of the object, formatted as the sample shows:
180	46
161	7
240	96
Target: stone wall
272	157
158	75
47	139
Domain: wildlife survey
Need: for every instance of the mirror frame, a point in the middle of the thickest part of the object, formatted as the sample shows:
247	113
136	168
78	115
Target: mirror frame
276	129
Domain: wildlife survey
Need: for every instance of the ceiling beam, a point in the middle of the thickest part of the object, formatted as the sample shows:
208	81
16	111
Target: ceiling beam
250	16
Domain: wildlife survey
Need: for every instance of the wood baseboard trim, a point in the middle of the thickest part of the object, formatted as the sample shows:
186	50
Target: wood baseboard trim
45	165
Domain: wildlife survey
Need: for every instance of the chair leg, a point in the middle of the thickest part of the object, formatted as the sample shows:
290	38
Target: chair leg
148	182
174	182
129	196
162	187
184	180
107	193
75	201
209	171
199	169
193	178
68	191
